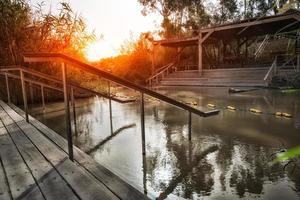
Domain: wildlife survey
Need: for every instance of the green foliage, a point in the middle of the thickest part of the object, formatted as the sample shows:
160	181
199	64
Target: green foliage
289	154
182	17
134	63
23	30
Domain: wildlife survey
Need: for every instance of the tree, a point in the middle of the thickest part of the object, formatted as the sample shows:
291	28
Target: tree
23	30
182	17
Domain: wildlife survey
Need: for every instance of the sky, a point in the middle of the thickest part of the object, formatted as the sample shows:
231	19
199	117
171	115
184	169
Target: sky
116	20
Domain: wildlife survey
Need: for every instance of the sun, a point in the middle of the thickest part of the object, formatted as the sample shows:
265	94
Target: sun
98	50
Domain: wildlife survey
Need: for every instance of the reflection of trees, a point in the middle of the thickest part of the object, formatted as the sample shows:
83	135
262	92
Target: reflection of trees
185	160
245	168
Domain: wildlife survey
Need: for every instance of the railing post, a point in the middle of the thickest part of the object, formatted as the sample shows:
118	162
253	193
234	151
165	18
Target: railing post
31	93
74	110
24	95
43	98
190	126
67	112
110	108
143	123
7	88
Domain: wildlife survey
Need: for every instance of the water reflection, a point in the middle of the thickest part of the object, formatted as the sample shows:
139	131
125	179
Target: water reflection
229	156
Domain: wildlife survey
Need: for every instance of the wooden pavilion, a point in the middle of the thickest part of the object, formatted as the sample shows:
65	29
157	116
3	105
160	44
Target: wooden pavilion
283	25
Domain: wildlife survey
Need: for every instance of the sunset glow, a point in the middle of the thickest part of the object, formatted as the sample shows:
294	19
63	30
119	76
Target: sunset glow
98	50
115	23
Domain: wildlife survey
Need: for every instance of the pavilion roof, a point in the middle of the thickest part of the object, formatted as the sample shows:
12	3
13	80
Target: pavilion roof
286	22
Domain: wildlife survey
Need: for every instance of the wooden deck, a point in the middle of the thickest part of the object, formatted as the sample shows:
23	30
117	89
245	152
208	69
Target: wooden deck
34	165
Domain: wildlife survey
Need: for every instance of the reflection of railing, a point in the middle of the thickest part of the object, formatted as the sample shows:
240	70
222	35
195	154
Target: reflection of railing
45	57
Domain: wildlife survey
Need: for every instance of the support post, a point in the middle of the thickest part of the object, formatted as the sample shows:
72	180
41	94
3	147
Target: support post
145	174
24	95
110	109
31	93
74	110
200	64
43	98
143	123
67	112
153	59
190	126
7	88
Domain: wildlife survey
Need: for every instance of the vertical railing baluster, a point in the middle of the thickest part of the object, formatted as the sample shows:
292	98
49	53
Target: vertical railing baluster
43	98
110	108
24	95
31	93
67	112
7	88
74	110
190	126
143	123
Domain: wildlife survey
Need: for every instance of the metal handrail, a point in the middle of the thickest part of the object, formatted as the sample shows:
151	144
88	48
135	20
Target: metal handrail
64	60
56	57
160	69
161	73
35	73
271	72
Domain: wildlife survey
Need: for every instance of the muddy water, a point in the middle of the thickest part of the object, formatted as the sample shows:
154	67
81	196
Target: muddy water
230	155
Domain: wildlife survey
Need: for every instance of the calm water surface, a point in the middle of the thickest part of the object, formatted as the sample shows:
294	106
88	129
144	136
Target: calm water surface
229	157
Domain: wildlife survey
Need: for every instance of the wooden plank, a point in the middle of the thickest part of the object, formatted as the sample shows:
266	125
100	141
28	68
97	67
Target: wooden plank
119	187
21	182
4	119
4	189
13	114
88	187
1	124
52	185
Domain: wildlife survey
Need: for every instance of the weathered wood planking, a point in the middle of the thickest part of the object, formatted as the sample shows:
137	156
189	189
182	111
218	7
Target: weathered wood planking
20	180
4	189
13	115
85	185
51	184
119	187
1	124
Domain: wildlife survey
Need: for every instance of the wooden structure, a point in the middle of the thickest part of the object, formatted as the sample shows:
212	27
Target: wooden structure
35	165
240	31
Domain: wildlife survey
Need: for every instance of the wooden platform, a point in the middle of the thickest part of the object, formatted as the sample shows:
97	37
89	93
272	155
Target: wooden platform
34	165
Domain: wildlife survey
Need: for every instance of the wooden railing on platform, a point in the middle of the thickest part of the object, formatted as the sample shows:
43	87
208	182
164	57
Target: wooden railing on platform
66	61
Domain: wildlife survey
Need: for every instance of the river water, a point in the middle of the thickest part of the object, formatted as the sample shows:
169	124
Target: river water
229	157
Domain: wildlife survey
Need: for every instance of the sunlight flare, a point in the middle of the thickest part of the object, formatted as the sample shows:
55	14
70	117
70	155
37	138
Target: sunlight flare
98	50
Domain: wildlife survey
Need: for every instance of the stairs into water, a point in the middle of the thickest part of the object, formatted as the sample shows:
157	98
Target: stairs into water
242	77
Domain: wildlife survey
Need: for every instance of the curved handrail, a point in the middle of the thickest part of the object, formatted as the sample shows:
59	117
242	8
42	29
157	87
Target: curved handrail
56	57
